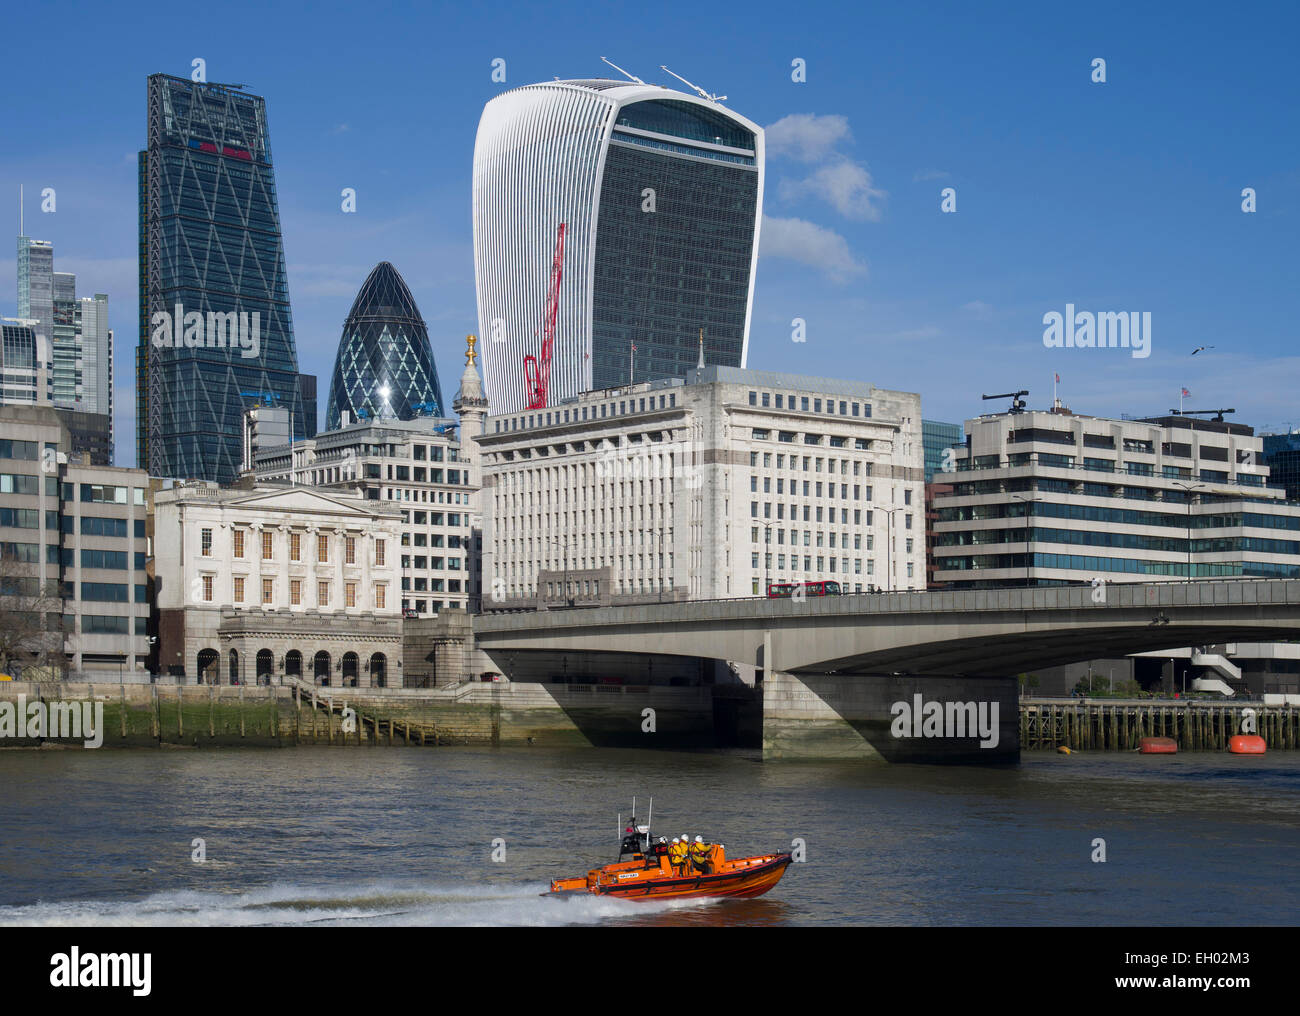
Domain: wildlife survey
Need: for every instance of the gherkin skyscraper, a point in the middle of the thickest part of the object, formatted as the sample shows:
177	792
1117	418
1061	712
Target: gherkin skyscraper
384	367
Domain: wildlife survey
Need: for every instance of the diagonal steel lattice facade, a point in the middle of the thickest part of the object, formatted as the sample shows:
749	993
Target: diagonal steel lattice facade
211	260
384	368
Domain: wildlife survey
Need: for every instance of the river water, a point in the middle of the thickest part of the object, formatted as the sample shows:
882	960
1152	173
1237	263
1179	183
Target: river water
405	836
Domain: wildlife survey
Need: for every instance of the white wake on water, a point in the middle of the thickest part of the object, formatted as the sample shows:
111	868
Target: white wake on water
377	903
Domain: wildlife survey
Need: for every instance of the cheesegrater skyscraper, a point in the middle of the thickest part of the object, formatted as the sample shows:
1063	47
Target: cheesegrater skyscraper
216	334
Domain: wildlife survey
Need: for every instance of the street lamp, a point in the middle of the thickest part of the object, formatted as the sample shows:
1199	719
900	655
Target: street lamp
1028	501
767	542
1187	498
564	542
889	546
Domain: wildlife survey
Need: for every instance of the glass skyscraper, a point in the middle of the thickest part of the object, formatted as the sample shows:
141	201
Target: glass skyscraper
661	194
216	333
384	367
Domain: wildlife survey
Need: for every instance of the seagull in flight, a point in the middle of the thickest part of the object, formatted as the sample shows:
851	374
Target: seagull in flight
1199	348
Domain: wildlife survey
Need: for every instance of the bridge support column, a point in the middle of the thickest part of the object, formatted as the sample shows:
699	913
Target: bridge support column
894	718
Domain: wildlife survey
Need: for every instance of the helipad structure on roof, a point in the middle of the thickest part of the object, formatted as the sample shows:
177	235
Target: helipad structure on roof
661	193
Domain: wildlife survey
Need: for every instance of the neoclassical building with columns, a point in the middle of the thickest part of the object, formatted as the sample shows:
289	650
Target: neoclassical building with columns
256	584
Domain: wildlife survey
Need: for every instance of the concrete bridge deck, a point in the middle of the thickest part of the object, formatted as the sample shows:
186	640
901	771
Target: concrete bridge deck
970	632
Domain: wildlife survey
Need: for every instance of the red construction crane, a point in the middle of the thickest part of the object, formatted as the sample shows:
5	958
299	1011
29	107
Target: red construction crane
537	376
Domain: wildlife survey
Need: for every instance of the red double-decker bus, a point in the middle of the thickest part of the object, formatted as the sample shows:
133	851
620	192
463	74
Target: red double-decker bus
822	587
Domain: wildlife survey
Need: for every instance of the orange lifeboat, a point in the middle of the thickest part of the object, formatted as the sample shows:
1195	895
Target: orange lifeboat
1158	746
649	875
1246	744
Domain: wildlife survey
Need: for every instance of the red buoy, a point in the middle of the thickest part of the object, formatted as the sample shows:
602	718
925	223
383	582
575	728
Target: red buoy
1246	744
1158	746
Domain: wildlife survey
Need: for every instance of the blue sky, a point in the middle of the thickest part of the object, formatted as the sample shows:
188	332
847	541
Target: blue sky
1122	196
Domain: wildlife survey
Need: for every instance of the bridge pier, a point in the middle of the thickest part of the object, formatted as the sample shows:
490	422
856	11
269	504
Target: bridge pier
894	718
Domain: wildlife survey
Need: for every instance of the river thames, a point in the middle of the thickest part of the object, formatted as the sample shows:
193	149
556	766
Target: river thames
405	837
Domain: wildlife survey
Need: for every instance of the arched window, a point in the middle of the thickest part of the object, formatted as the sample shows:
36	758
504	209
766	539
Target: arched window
350	664
322	668
207	666
379	671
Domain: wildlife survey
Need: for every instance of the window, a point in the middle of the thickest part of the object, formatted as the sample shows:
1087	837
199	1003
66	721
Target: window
350	551
322	548
381	595
379	552
268	590
207	588
349	594
322	594
205	542
266	544
239	589
295	546
295	592
239	543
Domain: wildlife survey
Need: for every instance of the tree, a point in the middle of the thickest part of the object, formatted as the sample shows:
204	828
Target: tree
31	617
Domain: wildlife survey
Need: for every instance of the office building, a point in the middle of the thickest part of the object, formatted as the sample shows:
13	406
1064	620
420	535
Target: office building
706	487
1281	453
1052	498
660	194
74	344
384	367
24	375
36	283
215	329
938	438
73	546
258	584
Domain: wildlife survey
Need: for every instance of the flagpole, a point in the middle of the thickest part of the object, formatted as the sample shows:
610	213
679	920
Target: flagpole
1180	400
631	373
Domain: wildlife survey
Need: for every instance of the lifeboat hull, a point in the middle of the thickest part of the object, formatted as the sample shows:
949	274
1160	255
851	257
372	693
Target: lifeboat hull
1158	746
1246	744
739	879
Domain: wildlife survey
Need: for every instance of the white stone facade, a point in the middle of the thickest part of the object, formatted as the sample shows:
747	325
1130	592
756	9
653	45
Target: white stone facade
247	577
703	489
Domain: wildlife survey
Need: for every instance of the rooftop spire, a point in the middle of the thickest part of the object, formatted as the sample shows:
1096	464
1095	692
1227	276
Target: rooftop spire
700	365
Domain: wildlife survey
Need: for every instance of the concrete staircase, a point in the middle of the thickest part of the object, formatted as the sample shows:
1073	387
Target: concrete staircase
379	729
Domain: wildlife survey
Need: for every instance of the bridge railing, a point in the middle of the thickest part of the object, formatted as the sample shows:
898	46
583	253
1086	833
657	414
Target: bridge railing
907	599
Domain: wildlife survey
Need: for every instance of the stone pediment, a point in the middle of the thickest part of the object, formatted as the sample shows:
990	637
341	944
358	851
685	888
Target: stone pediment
302	500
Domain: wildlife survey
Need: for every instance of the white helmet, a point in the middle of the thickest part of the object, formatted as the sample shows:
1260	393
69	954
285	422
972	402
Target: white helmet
685	838
699	839
674	839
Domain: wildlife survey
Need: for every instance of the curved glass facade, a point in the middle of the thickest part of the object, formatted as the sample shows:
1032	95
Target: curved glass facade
384	368
650	270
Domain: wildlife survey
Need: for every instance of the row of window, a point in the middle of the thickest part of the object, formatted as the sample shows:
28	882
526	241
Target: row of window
1121	516
378	599
1095	565
807	404
295	546
607	409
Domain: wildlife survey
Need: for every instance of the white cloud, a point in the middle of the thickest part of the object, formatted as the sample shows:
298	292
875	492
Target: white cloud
809	244
806	136
978	309
845	185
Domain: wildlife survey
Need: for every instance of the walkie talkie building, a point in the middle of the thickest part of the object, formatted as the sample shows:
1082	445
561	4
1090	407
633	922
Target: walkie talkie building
216	334
662	195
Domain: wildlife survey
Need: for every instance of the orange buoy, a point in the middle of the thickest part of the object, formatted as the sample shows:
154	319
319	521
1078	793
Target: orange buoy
1158	746
1246	744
